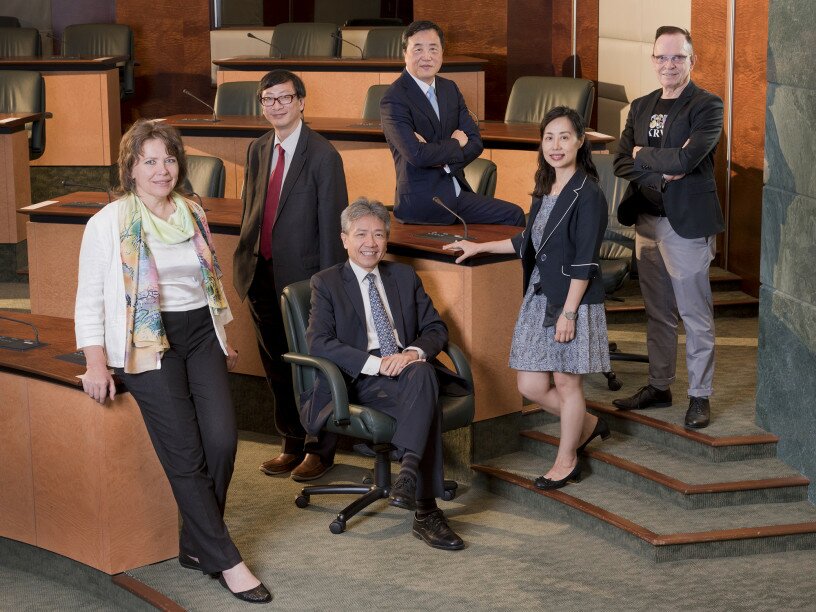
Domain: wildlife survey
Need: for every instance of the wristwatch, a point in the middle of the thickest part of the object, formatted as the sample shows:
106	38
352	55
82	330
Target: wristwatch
570	316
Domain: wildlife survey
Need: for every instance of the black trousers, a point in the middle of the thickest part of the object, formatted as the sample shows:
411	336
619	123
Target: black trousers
264	305
189	416
413	400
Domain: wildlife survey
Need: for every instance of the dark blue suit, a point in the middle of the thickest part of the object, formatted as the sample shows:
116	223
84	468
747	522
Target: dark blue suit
420	166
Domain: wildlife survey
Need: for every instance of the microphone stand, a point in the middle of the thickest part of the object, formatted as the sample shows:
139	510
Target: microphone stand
215	118
348	42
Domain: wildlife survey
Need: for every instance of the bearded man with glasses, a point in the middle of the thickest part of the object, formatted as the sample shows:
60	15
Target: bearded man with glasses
667	153
294	192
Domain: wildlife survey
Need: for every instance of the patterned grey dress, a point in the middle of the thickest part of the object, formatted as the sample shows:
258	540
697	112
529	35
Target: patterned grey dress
534	348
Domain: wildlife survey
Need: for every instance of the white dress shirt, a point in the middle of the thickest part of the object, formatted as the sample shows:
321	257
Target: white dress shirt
289	144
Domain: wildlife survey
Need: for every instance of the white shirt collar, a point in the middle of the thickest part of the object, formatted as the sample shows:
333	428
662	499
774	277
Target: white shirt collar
290	142
361	273
423	85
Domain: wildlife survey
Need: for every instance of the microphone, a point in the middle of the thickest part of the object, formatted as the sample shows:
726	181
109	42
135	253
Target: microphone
266	42
438	201
348	42
56	40
88	187
215	118
19	344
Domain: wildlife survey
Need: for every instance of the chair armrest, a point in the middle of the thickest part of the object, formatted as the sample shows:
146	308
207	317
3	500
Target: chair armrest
337	386
460	362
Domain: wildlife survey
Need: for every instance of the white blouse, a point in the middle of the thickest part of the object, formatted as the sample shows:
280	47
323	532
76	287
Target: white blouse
180	280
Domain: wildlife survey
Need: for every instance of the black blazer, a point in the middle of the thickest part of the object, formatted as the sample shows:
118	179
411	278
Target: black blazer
337	329
306	234
691	203
404	109
571	244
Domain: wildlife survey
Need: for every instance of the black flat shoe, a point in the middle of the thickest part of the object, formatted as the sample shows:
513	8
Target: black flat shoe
260	594
601	429
545	484
188	562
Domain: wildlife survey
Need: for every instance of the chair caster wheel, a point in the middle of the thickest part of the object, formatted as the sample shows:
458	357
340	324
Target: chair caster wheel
368	479
448	495
614	384
301	501
337	527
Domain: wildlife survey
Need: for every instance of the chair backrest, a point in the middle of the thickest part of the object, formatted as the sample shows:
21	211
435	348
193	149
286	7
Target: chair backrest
371	107
103	39
619	240
533	96
481	176
384	42
238	98
305	40
205	176
20	42
23	91
295	306
6	21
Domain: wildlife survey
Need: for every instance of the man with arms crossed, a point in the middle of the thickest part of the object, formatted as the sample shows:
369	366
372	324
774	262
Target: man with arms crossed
433	137
667	152
294	191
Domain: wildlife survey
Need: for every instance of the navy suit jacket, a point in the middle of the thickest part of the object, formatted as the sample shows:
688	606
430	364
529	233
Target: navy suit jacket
404	109
691	203
337	330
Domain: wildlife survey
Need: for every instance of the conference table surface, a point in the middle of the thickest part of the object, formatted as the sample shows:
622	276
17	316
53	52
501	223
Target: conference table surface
14	122
56	63
452	63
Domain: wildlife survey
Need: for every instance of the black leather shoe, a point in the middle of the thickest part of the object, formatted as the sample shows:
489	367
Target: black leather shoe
403	493
645	397
260	594
188	562
601	429
698	414
545	484
433	529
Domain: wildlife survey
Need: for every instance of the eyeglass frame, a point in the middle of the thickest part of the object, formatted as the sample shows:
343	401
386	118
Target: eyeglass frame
673	59
277	99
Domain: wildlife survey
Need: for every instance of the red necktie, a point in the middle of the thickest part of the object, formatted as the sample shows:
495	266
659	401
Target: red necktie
271	204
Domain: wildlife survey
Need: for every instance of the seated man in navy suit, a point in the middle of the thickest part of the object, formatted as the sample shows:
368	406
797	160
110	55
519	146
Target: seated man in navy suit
433	137
374	320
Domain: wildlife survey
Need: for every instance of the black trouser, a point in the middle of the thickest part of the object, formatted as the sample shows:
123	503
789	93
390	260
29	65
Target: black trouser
189	416
264	305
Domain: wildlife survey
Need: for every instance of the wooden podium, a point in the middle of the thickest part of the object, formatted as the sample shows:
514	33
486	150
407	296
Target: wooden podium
15	179
76	478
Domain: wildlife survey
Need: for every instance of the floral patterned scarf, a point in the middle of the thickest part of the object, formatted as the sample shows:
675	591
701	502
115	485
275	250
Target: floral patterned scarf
146	340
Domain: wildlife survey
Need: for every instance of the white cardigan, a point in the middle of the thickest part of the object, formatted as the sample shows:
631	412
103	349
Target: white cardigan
99	313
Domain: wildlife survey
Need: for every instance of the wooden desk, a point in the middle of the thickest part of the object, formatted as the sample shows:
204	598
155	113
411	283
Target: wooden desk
337	86
83	96
76	478
15	179
367	161
465	295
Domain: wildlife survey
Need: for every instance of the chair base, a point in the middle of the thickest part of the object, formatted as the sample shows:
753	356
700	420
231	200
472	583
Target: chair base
615	355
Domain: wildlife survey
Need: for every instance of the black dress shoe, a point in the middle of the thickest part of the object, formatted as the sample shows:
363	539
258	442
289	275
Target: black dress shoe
601	429
545	484
188	562
260	594
403	493
645	397
433	529
698	414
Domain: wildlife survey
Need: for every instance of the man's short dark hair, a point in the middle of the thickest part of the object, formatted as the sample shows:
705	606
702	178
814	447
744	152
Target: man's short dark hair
669	29
363	207
419	26
278	76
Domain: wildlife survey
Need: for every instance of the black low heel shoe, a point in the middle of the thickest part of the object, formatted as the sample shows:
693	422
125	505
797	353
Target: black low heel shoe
260	594
188	562
545	484
601	429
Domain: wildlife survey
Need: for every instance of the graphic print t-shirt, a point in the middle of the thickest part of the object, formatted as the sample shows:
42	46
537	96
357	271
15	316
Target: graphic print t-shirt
657	122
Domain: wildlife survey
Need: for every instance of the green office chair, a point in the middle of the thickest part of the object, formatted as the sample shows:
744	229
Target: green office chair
533	96
481	175
205	176
353	420
7	21
304	40
383	42
238	98
20	42
103	39
371	106
23	91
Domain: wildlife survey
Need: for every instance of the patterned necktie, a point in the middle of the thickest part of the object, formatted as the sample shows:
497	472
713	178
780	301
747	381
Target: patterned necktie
432	99
385	333
271	204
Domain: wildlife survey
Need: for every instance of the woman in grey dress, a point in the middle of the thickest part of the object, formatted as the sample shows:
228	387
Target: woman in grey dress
560	334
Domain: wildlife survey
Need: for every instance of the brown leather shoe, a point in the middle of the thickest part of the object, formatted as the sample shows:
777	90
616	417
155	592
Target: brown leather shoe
310	469
283	463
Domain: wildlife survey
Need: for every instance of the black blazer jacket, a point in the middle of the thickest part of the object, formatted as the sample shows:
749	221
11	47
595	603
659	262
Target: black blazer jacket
404	109
571	244
691	203
337	330
306	234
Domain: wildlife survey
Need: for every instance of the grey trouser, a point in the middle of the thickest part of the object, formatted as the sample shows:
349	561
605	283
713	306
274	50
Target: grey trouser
674	283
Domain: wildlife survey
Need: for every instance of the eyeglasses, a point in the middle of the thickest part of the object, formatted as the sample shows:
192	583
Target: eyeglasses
284	100
665	59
